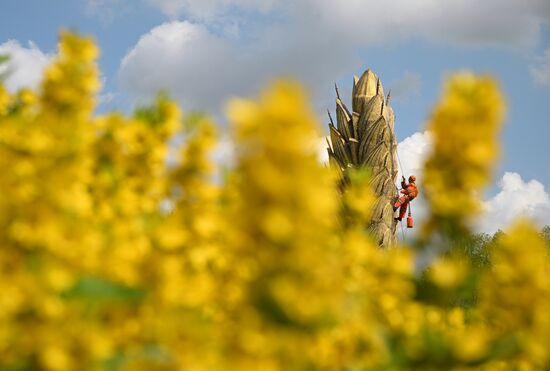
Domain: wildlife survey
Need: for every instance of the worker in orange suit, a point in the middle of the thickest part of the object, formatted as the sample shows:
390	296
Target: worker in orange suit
409	191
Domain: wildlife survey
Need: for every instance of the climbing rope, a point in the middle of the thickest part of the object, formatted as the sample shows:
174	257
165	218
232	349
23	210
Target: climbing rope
401	221
402	230
403	234
398	160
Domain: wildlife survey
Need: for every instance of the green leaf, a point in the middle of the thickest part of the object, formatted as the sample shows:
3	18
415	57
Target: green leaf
4	70
151	354
99	289
153	114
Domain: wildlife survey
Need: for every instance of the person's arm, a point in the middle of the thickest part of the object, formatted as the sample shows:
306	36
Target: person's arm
412	191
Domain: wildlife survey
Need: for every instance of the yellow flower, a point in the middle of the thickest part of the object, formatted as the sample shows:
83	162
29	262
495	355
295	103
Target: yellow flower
116	251
448	273
472	344
464	126
55	358
5	99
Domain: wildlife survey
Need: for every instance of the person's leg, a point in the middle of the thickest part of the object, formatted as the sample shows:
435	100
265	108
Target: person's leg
399	202
402	205
403	209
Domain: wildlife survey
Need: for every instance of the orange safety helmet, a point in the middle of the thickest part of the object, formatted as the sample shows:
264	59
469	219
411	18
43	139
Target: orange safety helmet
412	178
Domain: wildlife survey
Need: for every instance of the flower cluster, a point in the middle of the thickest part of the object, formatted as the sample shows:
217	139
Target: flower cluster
117	255
465	124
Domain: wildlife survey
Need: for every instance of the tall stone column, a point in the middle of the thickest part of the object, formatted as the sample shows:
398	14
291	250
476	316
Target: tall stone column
364	138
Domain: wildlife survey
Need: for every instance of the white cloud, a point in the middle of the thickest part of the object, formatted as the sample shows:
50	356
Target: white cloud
321	150
209	9
541	70
500	22
194	65
202	69
464	21
516	198
406	88
223	154
104	9
106	98
412	152
25	66
234	47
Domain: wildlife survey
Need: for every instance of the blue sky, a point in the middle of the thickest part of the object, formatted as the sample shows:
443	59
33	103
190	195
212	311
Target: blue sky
205	51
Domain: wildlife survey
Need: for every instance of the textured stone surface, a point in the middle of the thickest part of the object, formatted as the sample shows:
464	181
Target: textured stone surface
363	138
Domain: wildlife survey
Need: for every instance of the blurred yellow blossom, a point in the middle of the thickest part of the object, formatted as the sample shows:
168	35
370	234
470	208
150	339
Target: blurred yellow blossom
465	124
114	258
448	273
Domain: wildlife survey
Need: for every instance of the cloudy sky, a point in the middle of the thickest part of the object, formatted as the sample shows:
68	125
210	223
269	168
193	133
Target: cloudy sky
204	51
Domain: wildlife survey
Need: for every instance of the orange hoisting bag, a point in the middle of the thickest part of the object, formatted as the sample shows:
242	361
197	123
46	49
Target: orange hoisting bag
410	221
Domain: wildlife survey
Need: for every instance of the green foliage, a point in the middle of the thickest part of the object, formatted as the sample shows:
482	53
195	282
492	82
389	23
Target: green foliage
545	233
96	289
4	71
476	248
258	272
